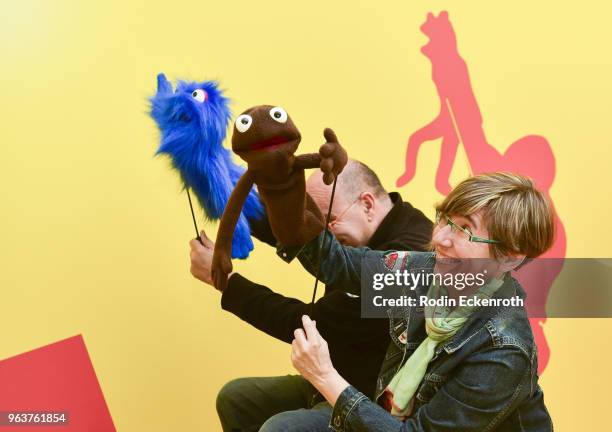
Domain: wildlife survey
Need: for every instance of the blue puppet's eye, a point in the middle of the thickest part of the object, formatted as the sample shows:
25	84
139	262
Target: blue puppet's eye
199	95
278	114
243	123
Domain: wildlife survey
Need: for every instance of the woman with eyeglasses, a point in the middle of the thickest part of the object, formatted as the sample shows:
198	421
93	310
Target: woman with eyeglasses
458	367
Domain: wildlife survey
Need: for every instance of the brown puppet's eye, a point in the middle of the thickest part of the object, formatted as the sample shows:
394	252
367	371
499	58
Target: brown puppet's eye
243	123
278	114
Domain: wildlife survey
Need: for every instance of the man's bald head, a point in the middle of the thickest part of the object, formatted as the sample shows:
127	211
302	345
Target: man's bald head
356	177
360	202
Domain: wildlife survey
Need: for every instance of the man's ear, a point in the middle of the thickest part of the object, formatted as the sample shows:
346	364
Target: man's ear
512	261
368	200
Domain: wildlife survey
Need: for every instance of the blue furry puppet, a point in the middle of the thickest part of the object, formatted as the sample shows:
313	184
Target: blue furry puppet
193	122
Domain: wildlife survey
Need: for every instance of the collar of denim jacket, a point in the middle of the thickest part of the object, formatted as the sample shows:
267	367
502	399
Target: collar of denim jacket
480	318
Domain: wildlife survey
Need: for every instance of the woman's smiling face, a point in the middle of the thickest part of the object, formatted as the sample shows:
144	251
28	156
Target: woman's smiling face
455	253
453	243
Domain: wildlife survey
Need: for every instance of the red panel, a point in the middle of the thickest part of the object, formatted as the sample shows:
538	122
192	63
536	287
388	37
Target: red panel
56	377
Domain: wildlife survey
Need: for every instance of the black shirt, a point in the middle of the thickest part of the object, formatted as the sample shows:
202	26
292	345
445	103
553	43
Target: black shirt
357	346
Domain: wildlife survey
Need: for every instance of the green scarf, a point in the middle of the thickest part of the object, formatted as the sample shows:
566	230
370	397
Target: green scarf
440	324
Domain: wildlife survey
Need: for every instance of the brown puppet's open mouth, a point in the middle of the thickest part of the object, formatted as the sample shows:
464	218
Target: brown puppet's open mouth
271	143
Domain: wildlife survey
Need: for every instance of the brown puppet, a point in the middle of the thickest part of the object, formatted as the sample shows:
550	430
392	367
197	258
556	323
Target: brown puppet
265	137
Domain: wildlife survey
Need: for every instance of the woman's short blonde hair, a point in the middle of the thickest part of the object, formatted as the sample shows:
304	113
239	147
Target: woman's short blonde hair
516	214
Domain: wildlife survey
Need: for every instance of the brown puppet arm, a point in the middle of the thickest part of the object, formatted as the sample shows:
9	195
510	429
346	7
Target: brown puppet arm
331	158
222	263
307	161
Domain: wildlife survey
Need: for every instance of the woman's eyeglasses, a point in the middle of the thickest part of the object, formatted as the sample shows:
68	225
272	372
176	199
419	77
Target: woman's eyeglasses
442	219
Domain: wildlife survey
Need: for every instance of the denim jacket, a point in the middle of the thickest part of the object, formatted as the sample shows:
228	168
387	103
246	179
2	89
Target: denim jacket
484	378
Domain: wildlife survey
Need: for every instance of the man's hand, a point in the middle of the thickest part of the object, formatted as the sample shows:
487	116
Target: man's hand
201	258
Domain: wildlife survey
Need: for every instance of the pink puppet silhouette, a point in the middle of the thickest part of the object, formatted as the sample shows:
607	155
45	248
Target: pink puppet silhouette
460	121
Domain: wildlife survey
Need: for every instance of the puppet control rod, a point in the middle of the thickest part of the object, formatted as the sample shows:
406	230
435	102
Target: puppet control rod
327	218
331	202
195	225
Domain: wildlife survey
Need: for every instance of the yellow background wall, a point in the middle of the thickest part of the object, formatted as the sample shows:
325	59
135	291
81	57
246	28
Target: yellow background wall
95	230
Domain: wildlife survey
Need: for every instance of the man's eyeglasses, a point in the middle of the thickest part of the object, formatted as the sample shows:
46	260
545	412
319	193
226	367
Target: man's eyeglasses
441	219
342	213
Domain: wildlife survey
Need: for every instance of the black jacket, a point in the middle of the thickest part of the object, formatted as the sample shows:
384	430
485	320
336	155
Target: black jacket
338	316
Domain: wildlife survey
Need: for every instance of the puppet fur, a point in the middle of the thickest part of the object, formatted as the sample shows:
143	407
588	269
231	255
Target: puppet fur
193	121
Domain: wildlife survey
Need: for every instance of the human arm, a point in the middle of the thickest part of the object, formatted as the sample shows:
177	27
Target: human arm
256	304
487	386
334	263
270	312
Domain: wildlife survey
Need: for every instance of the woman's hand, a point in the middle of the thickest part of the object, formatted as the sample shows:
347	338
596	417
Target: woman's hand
310	356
